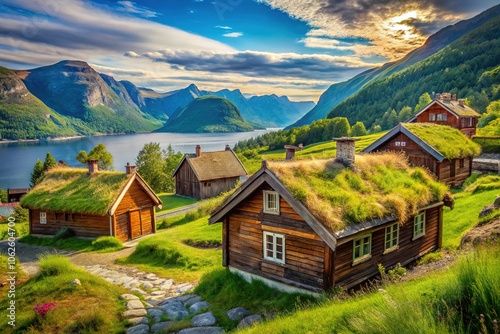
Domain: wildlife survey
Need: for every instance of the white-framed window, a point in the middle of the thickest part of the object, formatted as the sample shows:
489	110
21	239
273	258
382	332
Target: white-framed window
442	117
419	225
362	248
43	217
432	117
400	143
391	237
274	247
271	202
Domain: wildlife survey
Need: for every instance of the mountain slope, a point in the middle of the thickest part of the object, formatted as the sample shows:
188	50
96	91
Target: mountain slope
208	114
339	92
277	110
466	67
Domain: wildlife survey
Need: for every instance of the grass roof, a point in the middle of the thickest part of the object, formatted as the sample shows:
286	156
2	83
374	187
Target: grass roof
73	190
381	185
448	141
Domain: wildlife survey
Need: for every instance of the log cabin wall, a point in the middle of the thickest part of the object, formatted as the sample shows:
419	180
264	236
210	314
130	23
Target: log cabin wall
347	274
186	182
216	187
304	249
82	224
436	109
455	171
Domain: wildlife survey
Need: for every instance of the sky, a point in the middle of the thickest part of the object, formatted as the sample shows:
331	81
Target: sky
296	48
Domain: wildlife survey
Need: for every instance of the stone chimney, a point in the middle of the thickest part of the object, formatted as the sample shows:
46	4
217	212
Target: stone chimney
454	97
129	169
461	102
446	97
290	151
198	150
437	96
228	148
345	150
93	166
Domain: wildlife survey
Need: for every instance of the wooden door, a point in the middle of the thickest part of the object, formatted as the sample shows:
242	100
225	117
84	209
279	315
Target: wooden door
146	221
122	227
135	224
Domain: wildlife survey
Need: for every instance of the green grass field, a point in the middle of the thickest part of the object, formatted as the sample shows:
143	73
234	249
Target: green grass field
104	244
173	201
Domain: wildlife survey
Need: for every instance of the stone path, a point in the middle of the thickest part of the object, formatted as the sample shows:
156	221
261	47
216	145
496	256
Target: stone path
164	302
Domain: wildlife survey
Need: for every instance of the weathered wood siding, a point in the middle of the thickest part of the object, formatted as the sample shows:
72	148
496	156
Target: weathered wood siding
347	275
186	182
304	249
216	187
83	225
455	171
467	125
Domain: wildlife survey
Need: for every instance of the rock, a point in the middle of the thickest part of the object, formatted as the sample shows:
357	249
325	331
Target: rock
202	330
76	281
183	287
203	320
197	307
148	305
131	284
167	284
496	203
128	296
147	285
487	210
134	304
138	320
249	321
139	329
175	310
135	313
151	276
192	301
155	313
158	293
237	313
161	325
184	298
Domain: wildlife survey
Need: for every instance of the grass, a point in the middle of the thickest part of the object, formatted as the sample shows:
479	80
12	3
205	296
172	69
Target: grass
21	229
173	201
105	244
179	252
93	307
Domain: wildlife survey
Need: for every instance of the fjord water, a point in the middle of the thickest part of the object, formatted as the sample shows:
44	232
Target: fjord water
17	159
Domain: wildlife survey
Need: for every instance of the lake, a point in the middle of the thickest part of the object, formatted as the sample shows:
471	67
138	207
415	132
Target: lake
18	159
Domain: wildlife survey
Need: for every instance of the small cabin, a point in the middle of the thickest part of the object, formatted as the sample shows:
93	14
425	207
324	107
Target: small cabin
208	174
15	194
92	203
447	110
289	225
444	151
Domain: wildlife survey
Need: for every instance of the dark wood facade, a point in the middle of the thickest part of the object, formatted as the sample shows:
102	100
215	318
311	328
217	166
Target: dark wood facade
14	195
132	216
311	261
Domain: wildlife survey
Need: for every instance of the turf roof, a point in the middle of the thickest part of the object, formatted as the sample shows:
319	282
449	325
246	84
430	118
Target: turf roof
448	141
381	185
73	190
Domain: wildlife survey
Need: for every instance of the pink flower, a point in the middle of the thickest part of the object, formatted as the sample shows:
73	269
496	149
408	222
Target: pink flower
42	310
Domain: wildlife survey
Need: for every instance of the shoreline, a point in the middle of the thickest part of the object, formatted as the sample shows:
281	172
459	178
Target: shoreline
11	141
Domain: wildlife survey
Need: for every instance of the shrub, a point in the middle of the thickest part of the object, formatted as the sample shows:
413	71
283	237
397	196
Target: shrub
392	275
64	233
54	265
43	309
431	257
106	243
164	254
488	144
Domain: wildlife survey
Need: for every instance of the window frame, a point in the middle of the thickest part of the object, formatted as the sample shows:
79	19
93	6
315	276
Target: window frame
265	249
365	256
389	230
420	232
266	202
43	217
432	117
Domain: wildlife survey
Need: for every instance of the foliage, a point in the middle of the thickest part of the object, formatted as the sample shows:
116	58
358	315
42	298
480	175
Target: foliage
156	166
64	233
423	101
431	257
21	215
69	190
483	183
43	309
3	196
21	229
105	245
37	174
49	162
208	206
392	275
99	152
358	129
488	144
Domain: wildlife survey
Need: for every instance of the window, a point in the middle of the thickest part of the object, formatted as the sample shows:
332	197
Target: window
362	248
442	117
432	117
419	225
391	236
462	163
43	217
470	121
274	247
398	143
271	202
403	143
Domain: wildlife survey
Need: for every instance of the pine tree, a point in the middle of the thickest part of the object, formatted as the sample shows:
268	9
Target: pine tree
49	162
358	129
37	174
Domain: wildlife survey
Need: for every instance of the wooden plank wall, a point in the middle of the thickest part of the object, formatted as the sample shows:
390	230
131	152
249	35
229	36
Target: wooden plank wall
348	275
461	174
122	227
83	225
186	182
452	120
216	187
304	249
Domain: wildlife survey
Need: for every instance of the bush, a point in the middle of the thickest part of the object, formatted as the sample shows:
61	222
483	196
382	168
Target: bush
431	257
106	243
488	144
54	265
164	254
64	233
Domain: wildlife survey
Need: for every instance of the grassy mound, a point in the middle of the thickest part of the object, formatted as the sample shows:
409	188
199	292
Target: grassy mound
104	244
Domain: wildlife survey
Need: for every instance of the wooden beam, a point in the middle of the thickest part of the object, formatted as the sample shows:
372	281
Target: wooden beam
440	228
328	269
225	242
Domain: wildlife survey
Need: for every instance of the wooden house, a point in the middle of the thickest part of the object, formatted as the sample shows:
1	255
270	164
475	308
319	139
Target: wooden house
446	110
15	194
443	150
92	203
207	174
312	225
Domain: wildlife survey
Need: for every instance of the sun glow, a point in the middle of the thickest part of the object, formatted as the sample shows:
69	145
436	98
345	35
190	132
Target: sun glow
399	27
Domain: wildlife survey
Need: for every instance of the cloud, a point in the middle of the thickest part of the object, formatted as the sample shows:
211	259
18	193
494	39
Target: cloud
133	8
224	27
233	34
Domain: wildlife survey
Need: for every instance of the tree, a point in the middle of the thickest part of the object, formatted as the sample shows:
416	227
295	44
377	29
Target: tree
172	159
3	196
152	166
358	129
423	100
49	162
37	174
404	114
392	119
341	127
99	153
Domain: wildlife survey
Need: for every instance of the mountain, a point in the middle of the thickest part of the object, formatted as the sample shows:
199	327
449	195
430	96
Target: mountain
468	67
76	90
339	92
208	114
277	110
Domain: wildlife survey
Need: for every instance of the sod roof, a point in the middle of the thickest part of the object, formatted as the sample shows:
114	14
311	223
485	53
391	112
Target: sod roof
214	165
457	109
73	190
380	186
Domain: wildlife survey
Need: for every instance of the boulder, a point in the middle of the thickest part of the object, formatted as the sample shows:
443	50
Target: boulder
192	301
134	304
135	313
197	307
202	330
250	320
174	310
76	281
138	320
159	327
128	296
139	329
203	320
237	313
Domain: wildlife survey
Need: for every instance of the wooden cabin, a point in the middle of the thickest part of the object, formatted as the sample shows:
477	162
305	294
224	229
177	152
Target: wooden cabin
15	194
208	174
447	110
443	150
92	203
288	224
